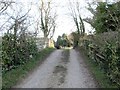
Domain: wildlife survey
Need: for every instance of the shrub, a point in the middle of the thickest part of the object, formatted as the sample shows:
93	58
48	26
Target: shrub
16	51
107	46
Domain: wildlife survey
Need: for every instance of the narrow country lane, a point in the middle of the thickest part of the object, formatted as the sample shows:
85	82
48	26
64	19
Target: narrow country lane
62	69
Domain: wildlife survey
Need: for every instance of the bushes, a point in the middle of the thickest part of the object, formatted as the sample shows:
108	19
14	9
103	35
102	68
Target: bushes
112	63
105	48
105	51
10	78
16	51
107	17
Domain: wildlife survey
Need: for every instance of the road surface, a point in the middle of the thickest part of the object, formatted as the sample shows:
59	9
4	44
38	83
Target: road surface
60	70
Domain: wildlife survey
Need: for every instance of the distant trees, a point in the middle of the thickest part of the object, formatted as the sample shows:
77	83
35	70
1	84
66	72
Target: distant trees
59	41
73	37
63	41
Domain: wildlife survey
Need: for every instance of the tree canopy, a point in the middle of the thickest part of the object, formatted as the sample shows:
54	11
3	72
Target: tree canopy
106	17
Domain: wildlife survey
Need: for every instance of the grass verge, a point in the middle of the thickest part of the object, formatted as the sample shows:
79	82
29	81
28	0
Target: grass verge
98	74
10	78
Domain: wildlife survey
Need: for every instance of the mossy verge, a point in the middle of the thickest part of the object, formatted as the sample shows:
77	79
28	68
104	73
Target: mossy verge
10	78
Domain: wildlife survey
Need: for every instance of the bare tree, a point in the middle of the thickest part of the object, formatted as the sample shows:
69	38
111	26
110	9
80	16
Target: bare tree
92	11
4	5
75	13
47	19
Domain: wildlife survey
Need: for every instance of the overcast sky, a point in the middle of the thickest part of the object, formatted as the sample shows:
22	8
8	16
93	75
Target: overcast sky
64	21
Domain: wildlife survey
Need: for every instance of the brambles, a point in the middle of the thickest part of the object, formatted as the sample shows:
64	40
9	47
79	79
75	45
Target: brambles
105	52
104	46
16	52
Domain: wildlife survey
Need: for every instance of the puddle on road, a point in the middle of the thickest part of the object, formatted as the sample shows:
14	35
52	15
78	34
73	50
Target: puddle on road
60	71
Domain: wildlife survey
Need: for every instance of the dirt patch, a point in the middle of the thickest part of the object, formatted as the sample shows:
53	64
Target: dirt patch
60	71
